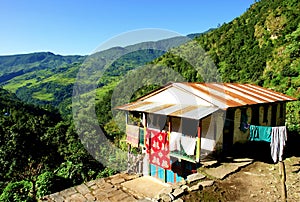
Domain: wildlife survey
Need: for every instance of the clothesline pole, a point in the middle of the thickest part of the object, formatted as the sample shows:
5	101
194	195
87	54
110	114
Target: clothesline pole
283	179
198	149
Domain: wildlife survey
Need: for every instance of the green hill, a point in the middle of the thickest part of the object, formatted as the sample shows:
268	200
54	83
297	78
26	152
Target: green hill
45	78
261	46
16	65
39	152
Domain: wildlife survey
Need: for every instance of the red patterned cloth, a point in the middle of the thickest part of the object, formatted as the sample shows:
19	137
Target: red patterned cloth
157	145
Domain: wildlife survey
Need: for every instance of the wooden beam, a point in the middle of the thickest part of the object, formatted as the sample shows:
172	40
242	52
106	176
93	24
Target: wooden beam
198	148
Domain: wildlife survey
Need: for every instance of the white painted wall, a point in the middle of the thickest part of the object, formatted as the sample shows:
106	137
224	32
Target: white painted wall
174	95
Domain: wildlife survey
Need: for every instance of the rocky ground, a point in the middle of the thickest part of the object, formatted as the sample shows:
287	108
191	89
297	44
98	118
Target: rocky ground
259	181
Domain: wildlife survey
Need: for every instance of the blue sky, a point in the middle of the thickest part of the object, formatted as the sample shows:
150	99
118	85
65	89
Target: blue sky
79	27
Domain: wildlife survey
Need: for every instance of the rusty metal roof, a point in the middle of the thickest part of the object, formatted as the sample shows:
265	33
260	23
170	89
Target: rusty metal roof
177	110
226	95
197	100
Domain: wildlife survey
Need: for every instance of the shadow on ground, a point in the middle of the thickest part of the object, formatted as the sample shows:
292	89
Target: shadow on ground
261	151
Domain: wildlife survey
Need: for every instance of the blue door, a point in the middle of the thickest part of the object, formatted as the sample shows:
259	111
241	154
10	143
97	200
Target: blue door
161	173
170	176
153	170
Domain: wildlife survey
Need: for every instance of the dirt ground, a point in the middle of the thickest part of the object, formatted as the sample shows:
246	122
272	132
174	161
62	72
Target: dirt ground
257	182
260	181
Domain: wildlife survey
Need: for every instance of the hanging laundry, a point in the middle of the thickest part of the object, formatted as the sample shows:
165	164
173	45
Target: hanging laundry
244	126
150	133
132	133
260	133
175	141
157	145
278	139
188	144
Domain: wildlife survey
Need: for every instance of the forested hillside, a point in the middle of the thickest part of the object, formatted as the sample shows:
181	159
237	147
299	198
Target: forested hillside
16	65
261	46
39	152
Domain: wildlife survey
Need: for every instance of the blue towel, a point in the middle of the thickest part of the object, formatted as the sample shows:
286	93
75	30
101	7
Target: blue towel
260	133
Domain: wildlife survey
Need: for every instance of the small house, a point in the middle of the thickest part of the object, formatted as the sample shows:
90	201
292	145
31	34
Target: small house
180	124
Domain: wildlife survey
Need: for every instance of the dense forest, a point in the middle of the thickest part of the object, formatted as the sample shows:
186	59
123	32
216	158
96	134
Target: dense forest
40	151
261	47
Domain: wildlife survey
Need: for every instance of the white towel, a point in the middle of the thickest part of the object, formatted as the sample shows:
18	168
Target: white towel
278	139
188	144
175	141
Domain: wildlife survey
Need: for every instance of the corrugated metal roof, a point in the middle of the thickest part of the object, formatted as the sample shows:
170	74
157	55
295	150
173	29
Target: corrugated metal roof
235	95
209	97
185	111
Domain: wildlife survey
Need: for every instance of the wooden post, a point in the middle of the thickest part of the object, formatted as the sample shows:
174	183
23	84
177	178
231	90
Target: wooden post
169	137
128	157
283	179
126	117
198	149
145	135
169	128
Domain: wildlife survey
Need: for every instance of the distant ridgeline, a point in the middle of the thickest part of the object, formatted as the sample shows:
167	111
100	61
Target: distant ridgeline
16	65
45	78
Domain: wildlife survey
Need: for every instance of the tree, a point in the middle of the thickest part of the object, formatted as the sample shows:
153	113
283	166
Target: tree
17	191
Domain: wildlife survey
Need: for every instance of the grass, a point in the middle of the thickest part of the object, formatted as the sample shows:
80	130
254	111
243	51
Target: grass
100	92
13	86
43	95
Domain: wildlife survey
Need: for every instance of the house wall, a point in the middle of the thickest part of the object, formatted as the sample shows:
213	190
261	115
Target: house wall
212	132
219	118
238	135
277	112
174	95
265	119
281	114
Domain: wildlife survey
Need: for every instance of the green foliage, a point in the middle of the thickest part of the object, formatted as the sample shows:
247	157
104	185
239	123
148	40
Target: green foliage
48	79
293	116
46	184
106	173
33	62
26	129
22	127
261	47
17	191
52	86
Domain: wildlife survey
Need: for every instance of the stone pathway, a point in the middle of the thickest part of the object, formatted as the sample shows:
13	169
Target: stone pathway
224	169
124	187
103	189
146	186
